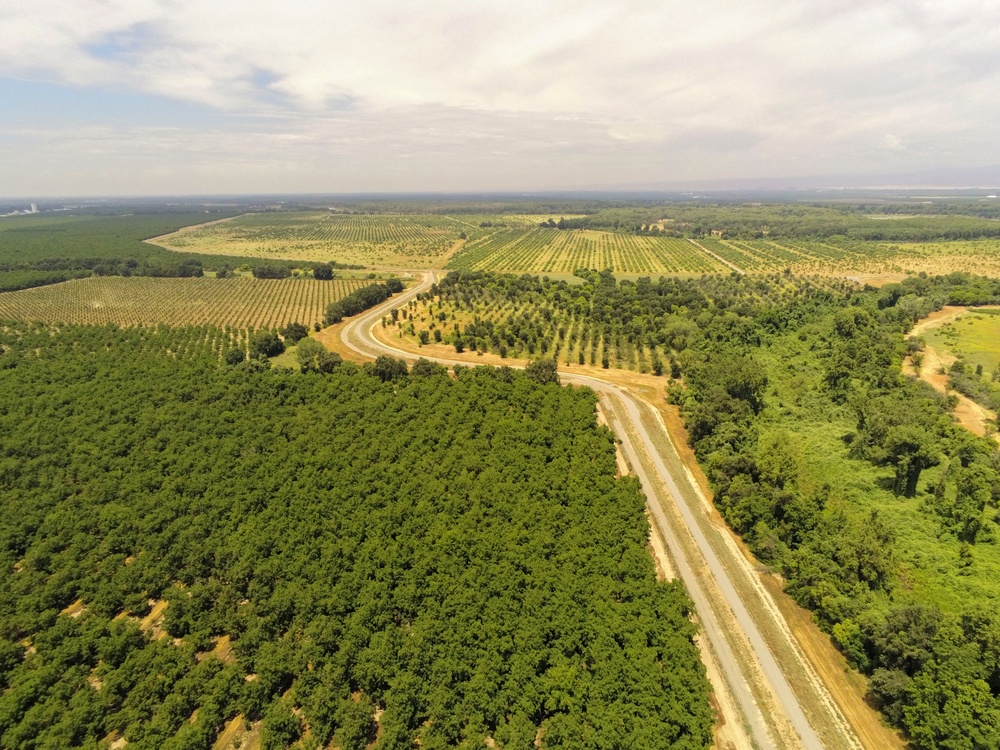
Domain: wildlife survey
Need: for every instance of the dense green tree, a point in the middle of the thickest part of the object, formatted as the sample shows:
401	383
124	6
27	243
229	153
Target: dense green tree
281	727
543	371
266	344
323	272
235	356
294	332
271	271
269	507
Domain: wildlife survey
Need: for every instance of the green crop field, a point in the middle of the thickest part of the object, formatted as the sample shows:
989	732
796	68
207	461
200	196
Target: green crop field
238	302
538	250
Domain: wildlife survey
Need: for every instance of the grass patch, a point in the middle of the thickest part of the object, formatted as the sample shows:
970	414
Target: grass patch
930	569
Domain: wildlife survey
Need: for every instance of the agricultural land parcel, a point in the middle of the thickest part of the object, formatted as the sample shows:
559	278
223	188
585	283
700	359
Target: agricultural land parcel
517	244
400	240
29	239
237	302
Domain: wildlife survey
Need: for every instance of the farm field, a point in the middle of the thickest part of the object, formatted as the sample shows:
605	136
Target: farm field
516	243
411	240
539	250
238	302
519	320
857	257
194	544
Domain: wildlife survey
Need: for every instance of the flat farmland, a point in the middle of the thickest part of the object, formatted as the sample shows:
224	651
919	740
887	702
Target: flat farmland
516	243
539	250
410	240
857	257
238	302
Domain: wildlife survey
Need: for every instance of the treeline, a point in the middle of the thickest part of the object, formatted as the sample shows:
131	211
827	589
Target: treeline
283	270
15	276
393	553
756	361
361	300
14	280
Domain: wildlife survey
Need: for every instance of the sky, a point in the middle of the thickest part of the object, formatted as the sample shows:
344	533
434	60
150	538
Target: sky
170	97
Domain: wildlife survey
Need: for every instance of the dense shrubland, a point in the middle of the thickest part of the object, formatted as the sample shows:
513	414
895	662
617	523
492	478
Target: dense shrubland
848	478
457	553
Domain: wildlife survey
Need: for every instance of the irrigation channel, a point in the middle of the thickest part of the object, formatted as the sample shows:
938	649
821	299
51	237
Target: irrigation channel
759	668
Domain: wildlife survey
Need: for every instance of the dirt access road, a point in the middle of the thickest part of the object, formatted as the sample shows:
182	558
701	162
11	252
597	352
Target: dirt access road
782	703
974	417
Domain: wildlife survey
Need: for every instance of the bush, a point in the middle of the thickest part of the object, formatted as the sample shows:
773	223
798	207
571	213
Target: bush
313	357
294	332
271	272
543	371
235	356
323	272
266	344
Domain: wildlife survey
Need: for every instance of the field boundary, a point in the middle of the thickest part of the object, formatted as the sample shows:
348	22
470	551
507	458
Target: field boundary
191	228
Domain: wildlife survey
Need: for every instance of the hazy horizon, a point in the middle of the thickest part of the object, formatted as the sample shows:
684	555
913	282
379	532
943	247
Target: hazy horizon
156	98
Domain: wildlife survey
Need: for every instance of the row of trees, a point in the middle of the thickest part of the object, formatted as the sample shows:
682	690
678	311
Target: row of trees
361	300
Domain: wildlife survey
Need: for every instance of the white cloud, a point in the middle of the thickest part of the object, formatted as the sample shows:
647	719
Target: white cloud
708	89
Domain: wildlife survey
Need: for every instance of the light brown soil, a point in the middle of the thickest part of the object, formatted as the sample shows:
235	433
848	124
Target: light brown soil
153	622
235	736
937	319
113	742
878	279
223	651
75	609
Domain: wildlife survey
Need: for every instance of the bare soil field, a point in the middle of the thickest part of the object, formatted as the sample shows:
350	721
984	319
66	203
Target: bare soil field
237	302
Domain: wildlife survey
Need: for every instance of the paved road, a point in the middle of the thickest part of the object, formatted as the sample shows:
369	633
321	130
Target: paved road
626	410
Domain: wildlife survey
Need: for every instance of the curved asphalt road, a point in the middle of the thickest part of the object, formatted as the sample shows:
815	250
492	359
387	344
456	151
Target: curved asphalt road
357	336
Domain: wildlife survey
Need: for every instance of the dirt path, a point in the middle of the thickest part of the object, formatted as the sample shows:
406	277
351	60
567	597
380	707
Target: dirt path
934	367
159	241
